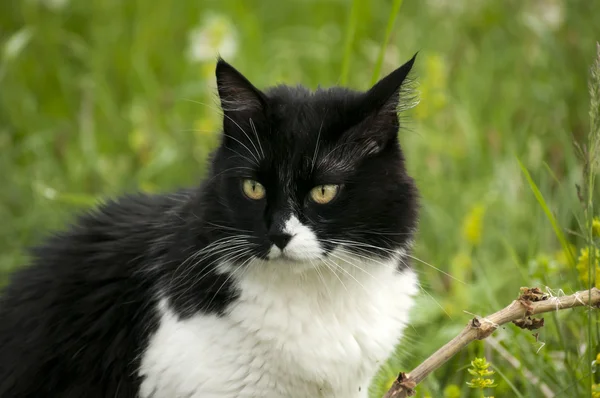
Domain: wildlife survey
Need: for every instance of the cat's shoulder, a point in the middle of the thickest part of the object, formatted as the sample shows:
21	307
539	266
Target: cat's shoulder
117	225
84	301
111	242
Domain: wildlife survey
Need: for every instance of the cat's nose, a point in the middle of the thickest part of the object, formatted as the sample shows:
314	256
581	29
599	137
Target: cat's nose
280	239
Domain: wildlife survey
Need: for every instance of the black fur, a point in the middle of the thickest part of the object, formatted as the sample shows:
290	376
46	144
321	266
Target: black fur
76	321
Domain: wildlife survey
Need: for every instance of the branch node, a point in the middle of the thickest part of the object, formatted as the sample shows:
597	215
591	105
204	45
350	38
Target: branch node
407	383
527	305
532	294
531	301
529	323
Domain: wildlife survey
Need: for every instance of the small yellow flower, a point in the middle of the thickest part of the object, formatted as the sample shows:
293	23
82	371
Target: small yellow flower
473	225
480	371
595	390
138	142
452	391
583	265
596	227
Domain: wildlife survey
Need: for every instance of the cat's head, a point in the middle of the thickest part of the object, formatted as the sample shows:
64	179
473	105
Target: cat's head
300	174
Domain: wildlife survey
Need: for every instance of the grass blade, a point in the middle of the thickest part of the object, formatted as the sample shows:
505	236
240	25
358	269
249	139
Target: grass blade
388	33
349	41
551	218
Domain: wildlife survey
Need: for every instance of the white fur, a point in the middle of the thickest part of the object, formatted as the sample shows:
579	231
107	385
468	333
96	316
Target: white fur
304	244
314	333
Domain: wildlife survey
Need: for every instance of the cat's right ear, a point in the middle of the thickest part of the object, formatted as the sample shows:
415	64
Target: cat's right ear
236	92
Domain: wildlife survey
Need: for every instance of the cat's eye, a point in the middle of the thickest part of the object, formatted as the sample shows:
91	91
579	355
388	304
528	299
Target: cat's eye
253	189
322	194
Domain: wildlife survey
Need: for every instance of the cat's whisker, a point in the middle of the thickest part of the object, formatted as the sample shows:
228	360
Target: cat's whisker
365	247
254	162
257	137
199	252
257	162
346	271
434	300
373	232
220	250
222	112
321	278
229	170
314	158
404	253
216	245
351	253
435	268
207	269
213	248
230	228
354	265
227	280
332	269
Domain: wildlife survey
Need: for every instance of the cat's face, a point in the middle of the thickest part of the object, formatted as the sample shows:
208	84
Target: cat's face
300	174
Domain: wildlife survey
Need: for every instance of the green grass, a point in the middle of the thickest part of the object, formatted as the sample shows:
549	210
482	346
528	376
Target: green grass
99	98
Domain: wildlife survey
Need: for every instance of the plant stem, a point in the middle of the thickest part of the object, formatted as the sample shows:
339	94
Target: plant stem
349	41
590	164
480	328
388	33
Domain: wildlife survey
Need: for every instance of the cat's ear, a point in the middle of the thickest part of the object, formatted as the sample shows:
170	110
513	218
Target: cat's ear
383	97
380	106
236	92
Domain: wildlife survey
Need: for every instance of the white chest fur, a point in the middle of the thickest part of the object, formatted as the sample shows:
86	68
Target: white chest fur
313	334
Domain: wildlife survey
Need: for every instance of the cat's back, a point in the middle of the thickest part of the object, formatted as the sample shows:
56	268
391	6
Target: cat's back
79	314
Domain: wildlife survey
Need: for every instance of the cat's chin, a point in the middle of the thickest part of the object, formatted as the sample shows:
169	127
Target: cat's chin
287	265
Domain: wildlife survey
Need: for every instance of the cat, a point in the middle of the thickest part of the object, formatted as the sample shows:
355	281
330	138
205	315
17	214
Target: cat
285	274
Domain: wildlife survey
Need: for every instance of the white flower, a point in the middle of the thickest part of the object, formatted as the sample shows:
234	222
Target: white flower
544	15
452	6
16	43
54	5
216	35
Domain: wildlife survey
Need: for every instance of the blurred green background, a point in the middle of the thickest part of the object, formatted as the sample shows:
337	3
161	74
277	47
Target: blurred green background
102	97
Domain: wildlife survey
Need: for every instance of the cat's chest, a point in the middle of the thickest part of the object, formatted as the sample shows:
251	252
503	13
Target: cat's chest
301	340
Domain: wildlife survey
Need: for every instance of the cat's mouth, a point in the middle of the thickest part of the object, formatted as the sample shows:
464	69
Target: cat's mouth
292	255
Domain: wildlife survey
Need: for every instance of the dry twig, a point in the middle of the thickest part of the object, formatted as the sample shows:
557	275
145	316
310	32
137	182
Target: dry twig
532	301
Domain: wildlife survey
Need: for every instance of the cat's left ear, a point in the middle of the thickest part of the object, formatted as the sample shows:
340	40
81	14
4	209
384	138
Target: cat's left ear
236	92
380	108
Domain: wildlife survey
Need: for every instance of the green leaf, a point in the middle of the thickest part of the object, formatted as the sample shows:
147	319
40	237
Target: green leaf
542	202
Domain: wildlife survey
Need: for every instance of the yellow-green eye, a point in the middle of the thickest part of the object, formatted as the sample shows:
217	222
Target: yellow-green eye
253	189
322	194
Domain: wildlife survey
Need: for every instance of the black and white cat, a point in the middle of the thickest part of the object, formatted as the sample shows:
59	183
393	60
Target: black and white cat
284	275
